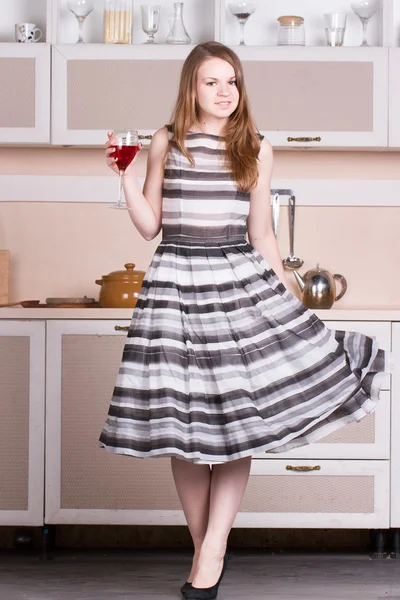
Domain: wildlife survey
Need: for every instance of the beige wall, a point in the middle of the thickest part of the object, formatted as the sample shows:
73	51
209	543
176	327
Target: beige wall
59	249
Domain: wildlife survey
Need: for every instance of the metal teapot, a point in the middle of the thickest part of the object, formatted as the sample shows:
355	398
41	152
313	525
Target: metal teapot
318	289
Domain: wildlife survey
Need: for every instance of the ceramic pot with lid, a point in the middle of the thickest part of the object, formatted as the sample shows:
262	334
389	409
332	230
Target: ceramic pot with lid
120	289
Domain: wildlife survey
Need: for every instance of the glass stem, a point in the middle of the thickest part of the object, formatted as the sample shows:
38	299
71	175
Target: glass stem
364	25
81	21
121	174
241	43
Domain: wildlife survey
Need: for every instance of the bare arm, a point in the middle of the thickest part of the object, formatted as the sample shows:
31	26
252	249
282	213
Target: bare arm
145	207
259	222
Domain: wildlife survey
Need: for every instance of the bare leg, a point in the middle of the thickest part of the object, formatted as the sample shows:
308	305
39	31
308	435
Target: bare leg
228	484
193	486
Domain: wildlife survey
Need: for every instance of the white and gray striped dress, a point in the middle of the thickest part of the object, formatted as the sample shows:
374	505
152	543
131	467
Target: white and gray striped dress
221	361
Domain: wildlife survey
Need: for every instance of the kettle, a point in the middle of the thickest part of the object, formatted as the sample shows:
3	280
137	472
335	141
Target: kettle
318	288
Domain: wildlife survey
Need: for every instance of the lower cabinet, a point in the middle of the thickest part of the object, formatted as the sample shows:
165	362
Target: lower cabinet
395	436
341	482
22	398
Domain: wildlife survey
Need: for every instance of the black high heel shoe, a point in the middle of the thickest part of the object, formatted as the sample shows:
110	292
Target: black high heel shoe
210	593
185	588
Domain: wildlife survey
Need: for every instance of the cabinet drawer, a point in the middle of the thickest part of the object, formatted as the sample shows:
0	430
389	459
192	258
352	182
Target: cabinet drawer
335	494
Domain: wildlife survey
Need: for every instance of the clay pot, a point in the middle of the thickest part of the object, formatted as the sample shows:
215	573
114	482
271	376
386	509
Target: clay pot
120	289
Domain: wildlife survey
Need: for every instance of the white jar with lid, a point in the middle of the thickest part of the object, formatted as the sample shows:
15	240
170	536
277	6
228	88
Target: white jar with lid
291	31
118	21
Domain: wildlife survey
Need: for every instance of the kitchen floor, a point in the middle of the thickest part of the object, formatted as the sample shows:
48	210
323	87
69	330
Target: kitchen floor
151	575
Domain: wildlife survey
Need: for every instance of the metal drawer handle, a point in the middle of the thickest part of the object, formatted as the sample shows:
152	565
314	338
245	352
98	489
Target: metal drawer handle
303	468
304	139
120	328
145	137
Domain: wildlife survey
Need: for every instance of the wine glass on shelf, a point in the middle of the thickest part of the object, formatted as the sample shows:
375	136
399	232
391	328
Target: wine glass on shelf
150	20
365	9
81	9
126	146
242	11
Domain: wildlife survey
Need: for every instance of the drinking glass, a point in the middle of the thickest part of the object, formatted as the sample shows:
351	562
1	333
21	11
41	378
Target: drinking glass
150	20
81	9
335	27
126	146
242	11
364	10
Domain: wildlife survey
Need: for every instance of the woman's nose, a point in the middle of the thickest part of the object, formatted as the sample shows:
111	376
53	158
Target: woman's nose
223	90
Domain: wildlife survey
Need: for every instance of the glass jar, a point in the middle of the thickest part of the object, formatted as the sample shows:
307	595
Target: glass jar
291	31
118	21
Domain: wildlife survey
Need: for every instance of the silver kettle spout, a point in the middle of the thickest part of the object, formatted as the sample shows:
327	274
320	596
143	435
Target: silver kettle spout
299	279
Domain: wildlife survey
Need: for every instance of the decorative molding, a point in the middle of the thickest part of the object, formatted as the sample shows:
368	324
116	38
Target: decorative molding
95	189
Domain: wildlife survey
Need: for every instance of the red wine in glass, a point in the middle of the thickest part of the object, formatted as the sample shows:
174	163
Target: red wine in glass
126	146
124	155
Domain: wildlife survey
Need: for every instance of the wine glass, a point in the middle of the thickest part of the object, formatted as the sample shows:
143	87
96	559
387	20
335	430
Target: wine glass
126	146
242	11
365	9
150	20
81	9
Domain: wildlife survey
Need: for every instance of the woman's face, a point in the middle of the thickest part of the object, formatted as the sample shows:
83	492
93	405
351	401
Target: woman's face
217	94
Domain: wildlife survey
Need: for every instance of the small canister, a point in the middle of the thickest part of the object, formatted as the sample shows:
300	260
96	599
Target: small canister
291	31
118	21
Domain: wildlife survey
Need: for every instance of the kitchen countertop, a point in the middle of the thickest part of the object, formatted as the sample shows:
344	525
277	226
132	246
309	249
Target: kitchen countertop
375	313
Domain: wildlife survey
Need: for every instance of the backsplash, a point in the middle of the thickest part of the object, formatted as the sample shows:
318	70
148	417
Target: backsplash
60	249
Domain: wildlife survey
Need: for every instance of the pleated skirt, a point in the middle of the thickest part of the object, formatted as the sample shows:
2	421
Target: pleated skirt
221	362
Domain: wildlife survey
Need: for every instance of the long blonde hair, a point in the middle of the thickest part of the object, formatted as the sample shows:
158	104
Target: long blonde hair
242	141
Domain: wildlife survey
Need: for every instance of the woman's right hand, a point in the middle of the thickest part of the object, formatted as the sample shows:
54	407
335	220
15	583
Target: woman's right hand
110	158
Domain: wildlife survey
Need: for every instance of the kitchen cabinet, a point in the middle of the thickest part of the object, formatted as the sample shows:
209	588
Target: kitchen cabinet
395	437
22	397
319	97
394	97
20	11
314	97
86	484
201	18
25	93
85	104
343	481
332	494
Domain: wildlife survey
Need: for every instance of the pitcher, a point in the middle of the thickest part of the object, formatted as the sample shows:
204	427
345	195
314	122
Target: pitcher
178	33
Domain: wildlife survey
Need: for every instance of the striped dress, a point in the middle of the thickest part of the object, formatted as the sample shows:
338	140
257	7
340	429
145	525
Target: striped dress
221	360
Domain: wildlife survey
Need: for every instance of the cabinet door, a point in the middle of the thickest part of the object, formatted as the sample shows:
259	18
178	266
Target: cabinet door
25	93
333	494
84	483
22	373
394	98
97	88
319	97
395	438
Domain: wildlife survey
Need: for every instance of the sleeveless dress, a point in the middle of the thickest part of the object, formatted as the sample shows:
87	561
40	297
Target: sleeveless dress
221	360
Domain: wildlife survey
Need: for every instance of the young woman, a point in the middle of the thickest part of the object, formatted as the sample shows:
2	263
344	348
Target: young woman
221	360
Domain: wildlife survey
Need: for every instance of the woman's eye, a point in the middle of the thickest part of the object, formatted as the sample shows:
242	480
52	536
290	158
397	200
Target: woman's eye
211	83
233	82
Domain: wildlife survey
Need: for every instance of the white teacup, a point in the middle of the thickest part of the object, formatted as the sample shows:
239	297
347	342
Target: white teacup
26	33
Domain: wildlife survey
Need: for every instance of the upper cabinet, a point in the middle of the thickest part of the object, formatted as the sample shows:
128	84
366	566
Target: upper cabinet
394	98
312	96
319	97
98	88
25	93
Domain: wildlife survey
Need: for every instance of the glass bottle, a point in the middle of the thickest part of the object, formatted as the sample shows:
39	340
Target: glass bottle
118	22
178	33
